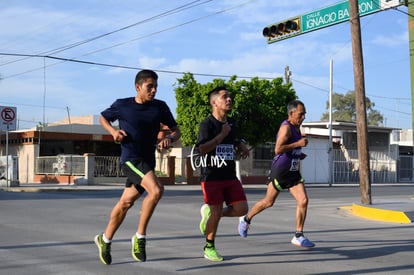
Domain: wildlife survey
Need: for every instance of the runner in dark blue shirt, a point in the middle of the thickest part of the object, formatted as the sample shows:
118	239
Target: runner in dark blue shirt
139	119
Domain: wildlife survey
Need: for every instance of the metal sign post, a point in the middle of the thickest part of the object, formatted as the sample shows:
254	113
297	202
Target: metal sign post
7	123
7	157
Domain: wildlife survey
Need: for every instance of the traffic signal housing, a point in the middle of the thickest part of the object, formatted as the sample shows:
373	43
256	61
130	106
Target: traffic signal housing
282	30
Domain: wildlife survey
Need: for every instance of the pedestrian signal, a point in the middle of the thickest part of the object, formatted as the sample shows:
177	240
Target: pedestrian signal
282	30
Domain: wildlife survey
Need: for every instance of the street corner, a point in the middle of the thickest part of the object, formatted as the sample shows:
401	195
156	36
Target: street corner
386	212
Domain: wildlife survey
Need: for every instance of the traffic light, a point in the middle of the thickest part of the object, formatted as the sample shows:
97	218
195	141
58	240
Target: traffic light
282	30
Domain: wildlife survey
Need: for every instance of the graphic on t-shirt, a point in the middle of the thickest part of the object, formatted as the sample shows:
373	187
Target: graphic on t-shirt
223	152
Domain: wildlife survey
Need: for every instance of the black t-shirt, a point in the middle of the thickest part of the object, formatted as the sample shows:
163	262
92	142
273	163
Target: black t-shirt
219	163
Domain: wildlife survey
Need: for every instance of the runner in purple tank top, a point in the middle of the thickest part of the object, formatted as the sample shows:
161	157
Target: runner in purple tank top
287	161
285	173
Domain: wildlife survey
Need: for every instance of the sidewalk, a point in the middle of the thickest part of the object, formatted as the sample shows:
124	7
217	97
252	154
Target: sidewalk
50	187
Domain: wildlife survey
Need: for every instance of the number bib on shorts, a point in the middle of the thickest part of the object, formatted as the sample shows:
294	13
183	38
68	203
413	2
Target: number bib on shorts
296	159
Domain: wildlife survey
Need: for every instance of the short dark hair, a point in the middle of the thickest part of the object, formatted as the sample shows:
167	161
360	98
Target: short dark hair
215	91
144	74
292	105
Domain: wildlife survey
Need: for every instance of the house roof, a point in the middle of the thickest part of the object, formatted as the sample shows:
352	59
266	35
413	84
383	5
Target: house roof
346	126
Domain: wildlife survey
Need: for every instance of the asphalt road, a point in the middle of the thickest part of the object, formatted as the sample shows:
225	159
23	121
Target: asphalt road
52	233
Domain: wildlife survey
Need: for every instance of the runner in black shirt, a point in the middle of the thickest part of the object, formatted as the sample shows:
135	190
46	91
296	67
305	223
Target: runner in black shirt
216	143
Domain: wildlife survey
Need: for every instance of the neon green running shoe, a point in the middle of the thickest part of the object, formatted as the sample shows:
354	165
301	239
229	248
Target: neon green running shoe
211	254
205	214
104	250
138	249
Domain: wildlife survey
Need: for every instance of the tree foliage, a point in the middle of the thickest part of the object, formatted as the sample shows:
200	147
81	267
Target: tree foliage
344	109
259	106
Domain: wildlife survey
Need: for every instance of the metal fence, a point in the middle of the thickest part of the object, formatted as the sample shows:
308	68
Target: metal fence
104	166
406	169
60	165
107	166
383	166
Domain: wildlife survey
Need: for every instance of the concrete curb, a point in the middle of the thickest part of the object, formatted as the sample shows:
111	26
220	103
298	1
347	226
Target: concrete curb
39	190
63	188
378	214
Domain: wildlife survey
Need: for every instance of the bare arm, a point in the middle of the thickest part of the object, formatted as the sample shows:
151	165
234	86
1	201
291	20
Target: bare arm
211	144
118	135
283	136
171	138
244	151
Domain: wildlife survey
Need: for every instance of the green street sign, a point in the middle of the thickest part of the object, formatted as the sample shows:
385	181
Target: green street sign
336	14
323	18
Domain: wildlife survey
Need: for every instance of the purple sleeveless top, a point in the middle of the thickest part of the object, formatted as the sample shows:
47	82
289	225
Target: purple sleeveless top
289	161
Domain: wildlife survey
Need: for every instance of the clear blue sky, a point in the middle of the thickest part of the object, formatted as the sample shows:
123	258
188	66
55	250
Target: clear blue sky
202	37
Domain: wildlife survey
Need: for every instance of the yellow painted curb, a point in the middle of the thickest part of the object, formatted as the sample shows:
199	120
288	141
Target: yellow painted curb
380	214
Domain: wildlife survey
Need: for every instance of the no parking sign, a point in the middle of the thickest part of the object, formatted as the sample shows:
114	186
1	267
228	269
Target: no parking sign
8	118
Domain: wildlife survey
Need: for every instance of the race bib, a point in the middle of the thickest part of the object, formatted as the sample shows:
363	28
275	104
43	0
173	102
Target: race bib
294	165
225	151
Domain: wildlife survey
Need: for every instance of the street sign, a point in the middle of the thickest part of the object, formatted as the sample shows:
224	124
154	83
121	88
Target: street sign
8	118
335	14
340	13
329	16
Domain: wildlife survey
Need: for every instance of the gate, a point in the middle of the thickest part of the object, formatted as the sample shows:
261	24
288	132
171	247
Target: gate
405	169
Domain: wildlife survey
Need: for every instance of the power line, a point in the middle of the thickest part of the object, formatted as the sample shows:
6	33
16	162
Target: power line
115	66
76	44
181	73
119	44
61	59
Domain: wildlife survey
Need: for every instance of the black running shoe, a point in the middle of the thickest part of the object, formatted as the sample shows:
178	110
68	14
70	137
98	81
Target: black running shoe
104	250
138	249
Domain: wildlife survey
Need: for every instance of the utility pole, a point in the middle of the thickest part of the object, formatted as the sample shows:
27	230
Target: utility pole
410	5
288	73
360	104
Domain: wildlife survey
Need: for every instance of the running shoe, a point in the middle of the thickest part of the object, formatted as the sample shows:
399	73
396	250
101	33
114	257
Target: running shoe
211	254
138	249
205	214
302	241
104	250
243	227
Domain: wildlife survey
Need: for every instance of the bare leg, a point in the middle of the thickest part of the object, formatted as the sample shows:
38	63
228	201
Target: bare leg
266	202
236	209
213	221
118	213
299	193
155	191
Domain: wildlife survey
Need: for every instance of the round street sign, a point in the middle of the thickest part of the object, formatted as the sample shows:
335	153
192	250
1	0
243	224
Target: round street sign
8	114
8	118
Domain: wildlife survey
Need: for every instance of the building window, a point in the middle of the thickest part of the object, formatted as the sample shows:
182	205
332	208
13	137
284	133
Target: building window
263	155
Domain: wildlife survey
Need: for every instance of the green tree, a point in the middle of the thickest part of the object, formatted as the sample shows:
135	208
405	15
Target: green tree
343	109
259	106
